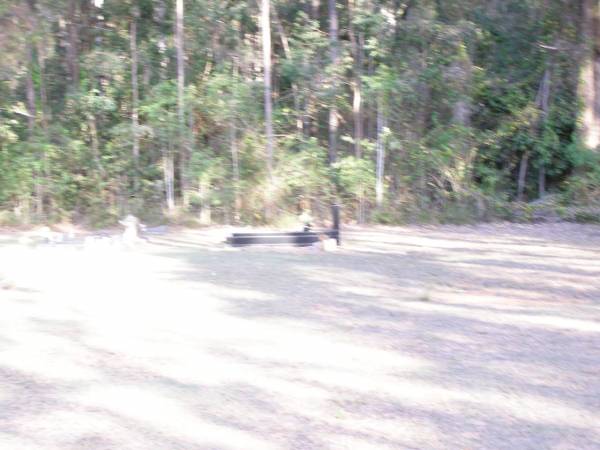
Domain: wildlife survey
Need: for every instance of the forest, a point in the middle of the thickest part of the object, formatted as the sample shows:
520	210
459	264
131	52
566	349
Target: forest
248	111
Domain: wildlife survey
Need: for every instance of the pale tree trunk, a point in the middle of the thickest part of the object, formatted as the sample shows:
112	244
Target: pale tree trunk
543	103
43	91
371	106
236	173
169	174
357	41
93	128
522	176
135	98
205	209
31	108
542	180
315	5
183	153
423	115
357	112
380	151
91	116
461	111
160	11
357	45
358	136
31	116
266	44
334	56
462	70
41	175
100	26
306	104
30	90
462	77
311	127
589	75
45	118
233	145
146	73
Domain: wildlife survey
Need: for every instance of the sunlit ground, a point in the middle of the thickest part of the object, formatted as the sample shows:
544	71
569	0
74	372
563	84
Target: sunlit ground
408	338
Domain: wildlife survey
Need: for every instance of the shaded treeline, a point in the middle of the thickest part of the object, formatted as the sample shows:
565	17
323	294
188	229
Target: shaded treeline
240	111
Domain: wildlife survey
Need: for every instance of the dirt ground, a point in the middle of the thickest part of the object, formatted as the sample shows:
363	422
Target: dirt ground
483	337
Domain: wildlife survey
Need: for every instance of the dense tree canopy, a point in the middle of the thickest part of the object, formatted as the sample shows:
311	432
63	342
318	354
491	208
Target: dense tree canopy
244	110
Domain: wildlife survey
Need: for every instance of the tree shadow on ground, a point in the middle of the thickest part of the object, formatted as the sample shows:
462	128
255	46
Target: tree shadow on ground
334	350
545	363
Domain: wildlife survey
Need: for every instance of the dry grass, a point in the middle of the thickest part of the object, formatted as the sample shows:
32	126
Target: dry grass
441	337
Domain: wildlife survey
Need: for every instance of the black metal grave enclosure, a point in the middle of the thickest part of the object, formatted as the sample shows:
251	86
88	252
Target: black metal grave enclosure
295	238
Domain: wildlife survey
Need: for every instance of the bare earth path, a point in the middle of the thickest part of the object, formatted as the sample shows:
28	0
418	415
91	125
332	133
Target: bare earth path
411	338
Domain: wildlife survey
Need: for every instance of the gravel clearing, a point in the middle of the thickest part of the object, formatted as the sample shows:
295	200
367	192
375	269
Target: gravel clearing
483	337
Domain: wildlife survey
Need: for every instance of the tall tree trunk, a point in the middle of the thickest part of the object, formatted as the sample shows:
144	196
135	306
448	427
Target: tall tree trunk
306	103
43	92
40	174
311	125
205	207
462	70
73	46
357	112
315	6
461	111
295	89
93	128
169	175
135	98
160	10
380	151
31	117
543	104
542	180
589	76
334	56
357	45
30	90
521	182
357	41
371	106
266	41
235	163
183	153
45	118
236	173
146	73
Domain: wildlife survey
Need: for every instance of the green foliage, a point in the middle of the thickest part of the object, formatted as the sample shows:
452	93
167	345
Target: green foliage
302	173
356	177
456	84
584	187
